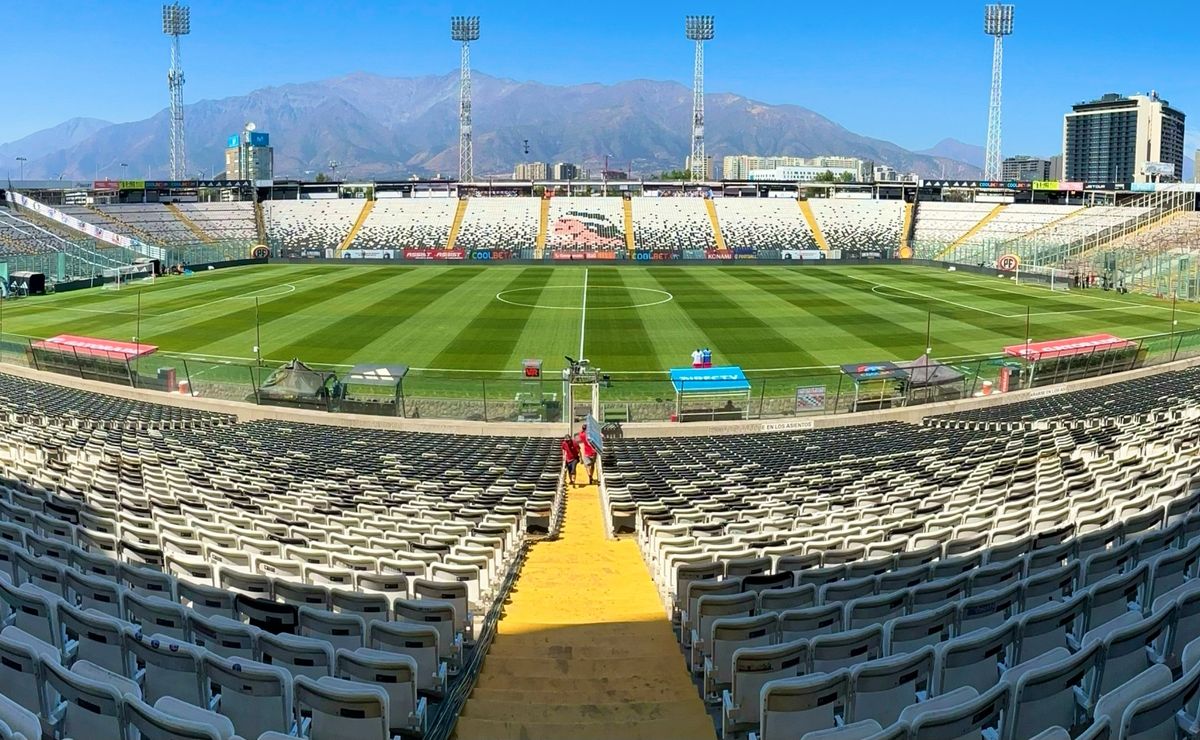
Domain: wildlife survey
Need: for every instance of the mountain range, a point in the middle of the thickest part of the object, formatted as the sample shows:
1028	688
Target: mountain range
394	127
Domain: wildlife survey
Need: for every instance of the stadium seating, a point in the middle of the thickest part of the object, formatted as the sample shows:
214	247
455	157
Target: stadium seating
1016	220
183	571
938	224
1015	568
398	223
19	236
499	223
763	223
852	224
311	224
223	221
672	224
152	219
585	224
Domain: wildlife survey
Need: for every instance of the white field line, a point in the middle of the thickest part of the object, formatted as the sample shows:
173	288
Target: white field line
927	297
583	313
1082	293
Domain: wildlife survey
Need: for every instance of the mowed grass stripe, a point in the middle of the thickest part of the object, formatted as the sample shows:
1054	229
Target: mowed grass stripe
124	319
489	339
340	341
895	327
911	337
218	333
739	337
615	331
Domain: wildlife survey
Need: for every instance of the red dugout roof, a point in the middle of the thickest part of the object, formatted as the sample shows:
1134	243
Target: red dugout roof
1053	348
94	347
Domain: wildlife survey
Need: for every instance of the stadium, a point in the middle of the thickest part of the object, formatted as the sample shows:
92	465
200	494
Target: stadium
598	458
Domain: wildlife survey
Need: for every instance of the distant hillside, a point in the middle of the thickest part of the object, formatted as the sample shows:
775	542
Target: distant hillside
396	126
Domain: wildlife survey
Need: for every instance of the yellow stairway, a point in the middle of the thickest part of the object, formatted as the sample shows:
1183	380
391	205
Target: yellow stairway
716	223
629	243
972	231
192	225
905	247
815	227
543	226
459	213
368	206
584	650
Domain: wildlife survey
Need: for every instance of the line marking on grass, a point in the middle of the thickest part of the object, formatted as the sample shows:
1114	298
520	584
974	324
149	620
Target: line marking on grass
1081	293
668	297
583	313
885	286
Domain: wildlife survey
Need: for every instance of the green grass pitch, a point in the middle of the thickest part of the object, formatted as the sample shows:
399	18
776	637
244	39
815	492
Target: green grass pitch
631	320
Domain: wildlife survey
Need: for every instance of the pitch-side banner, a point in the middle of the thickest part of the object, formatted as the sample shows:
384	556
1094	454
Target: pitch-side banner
435	254
104	235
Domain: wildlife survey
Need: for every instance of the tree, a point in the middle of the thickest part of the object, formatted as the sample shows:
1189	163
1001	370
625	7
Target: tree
846	177
321	177
826	176
675	175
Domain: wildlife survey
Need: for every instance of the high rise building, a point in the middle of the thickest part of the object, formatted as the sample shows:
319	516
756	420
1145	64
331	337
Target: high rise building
1025	168
1056	167
1114	138
249	156
739	166
531	171
565	171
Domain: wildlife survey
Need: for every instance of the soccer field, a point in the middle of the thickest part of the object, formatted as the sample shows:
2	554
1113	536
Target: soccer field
628	320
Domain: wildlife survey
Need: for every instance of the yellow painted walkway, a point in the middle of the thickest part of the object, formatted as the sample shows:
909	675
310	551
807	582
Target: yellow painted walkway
584	650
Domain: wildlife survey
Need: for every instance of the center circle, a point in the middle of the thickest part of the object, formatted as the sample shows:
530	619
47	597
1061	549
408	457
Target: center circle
576	297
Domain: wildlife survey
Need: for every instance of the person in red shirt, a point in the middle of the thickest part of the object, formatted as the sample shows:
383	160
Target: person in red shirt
570	455
588	452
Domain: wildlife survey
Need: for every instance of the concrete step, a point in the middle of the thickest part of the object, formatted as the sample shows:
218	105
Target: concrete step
552	690
536	668
616	714
699	728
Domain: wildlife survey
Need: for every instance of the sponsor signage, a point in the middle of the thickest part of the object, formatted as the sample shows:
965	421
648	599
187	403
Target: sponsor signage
106	185
369	254
1053	348
1045	184
259	138
484	255
434	254
233	142
810	398
600	255
93	347
133	184
788	426
1008	262
709	379
874	371
803	254
714	254
1072	186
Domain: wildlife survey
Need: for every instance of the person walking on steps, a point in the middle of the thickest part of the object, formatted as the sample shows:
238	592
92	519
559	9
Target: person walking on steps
570	455
588	452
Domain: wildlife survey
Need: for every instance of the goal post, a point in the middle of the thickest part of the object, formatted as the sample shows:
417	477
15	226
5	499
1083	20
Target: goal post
1054	278
117	278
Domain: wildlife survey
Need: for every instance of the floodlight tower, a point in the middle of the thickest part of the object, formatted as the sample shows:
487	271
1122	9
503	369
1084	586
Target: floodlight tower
997	23
176	22
698	28
465	28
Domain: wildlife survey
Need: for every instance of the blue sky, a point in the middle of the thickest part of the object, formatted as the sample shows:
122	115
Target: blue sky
912	73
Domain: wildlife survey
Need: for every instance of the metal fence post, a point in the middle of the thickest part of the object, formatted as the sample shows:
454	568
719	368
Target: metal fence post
483	385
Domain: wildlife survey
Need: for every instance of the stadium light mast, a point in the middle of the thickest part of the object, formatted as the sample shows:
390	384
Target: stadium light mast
698	28
465	29
176	22
997	23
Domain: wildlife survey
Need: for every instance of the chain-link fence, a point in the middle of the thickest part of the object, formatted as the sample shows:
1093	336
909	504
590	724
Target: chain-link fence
636	397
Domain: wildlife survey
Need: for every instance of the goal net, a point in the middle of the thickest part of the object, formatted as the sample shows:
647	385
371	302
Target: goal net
1054	278
117	278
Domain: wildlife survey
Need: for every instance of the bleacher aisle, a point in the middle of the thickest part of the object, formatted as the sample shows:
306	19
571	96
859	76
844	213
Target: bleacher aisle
584	647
